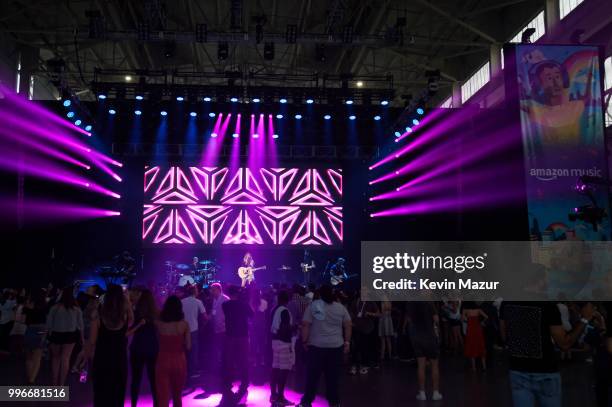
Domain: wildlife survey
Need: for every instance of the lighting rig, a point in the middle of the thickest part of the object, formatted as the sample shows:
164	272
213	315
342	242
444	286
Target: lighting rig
243	87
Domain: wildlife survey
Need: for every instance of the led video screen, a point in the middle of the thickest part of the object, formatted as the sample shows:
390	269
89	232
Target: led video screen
242	206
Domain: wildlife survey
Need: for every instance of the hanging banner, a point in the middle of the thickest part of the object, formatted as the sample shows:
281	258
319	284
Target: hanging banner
559	92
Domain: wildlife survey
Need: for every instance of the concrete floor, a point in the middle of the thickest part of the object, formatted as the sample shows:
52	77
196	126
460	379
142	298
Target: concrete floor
393	385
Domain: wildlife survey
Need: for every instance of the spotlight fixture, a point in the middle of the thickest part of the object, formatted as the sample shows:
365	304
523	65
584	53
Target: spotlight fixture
101	96
282	100
234	100
88	127
207	99
275	136
213	135
279	116
420	111
255	135
137	112
398	134
377	117
298	117
211	114
384	102
163	113
139	97
70	115
256	100
309	101
128	78
359	84
112	111
235	135
180	98
349	102
327	117
193	114
67	103
415	122
352	117
77	122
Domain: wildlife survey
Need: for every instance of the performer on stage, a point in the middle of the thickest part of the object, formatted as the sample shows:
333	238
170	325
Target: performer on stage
195	265
338	271
247	260
307	265
126	267
126	263
248	264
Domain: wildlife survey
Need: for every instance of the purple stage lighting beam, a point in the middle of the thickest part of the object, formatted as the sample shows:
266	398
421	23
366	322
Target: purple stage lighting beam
35	110
496	198
44	211
466	158
440	129
45	150
271	144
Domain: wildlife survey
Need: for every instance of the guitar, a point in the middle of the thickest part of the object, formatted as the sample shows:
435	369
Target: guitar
247	274
335	280
307	267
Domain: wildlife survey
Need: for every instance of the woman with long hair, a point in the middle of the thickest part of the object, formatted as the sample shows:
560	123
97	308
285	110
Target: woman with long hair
474	339
35	312
144	346
174	341
108	338
386	332
65	326
89	304
326	334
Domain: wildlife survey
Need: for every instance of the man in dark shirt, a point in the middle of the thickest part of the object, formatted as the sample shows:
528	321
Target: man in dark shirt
529	329
236	347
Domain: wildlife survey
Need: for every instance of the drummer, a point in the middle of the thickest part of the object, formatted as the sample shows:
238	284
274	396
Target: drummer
195	266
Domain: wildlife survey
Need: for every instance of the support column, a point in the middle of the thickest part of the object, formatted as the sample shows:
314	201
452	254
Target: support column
29	65
495	58
456	96
552	15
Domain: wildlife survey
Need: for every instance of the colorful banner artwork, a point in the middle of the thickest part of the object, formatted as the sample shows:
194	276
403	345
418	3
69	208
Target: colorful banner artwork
559	90
222	206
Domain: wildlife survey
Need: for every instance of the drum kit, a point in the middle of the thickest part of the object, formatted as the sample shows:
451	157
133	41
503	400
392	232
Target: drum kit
203	273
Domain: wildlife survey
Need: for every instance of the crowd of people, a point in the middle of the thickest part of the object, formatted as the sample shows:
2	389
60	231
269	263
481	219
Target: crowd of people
111	337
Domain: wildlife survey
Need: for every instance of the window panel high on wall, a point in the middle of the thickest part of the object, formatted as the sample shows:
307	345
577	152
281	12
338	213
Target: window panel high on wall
567	6
448	103
475	82
538	23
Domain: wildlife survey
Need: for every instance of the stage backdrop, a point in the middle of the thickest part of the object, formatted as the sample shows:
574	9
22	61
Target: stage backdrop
558	88
232	206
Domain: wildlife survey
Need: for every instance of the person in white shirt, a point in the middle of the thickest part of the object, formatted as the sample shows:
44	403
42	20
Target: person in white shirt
326	333
193	308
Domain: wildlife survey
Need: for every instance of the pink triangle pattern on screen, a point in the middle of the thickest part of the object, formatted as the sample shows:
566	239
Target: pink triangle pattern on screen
218	205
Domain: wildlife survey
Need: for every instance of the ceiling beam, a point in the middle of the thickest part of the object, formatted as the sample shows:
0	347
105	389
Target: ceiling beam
454	19
483	10
423	66
377	20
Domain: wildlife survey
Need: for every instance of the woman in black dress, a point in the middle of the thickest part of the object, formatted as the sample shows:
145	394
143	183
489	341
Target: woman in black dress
108	338
144	346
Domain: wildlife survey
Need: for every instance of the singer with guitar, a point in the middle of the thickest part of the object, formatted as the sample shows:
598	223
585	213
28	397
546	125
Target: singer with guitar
247	271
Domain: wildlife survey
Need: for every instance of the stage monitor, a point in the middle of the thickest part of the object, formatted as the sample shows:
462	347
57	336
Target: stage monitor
242	206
